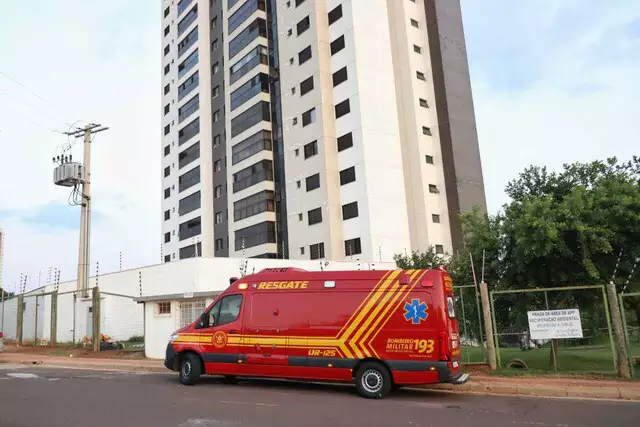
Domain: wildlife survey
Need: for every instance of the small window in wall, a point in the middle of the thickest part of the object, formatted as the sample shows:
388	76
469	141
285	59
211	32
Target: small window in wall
304	55
350	210
424	103
217	166
167	215
317	251
426	130
420	75
216	91
352	247
306	86
167	258
313	182
343	108
167	237
417	49
433	189
414	23
166	69
167	88
303	25
164	307
167	108
215	68
302	250
167	129
435	218
429	159
216	141
166	30
314	216
335	14
345	141
166	12
167	150
167	48
300	216
167	193
214	45
214	22
347	175
218	218
310	149
167	171
337	45
439	249
299	2
217	192
340	76
309	117
219	244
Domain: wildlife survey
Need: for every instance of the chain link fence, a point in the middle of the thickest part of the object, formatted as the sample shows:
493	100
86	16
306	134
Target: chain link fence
472	345
630	308
516	347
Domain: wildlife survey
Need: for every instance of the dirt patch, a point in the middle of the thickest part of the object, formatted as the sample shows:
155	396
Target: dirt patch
75	352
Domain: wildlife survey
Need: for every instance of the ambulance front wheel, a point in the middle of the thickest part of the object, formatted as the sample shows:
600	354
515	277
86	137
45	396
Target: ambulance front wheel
190	369
373	380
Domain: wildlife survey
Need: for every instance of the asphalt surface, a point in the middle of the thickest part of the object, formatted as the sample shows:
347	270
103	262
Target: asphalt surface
40	396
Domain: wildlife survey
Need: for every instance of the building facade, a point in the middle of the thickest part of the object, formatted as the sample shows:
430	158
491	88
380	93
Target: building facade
311	129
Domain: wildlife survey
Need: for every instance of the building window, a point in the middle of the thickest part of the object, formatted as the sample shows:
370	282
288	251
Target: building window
306	86
189	204
167	215
258	83
254	144
189	179
337	45
167	68
309	117
435	218
189	85
167	237
350	210
347	175
304	55
248	62
167	171
189	155
219	244
190	228
244	12
214	22
439	249
167	193
340	76
335	14
301	250
190	130
420	75
214	45
186	65
166	12
257	28
167	88
190	310
433	189
215	68
216	91
167	129
299	184
188	108
414	23
216	141
317	251
424	103
167	48
429	159
352	247
303	25
426	130
299	2
258	172
417	49
167	108
164	307
343	108
297	152
345	141
259	112
310	149
313	182
263	201
300	217
216	116
217	192
255	235
217	166
189	40
167	258
218	218
314	216
167	150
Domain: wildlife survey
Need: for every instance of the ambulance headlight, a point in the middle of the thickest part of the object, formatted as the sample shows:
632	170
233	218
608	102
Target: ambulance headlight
172	338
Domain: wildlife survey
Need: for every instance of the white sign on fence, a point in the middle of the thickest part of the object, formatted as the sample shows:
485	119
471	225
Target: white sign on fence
554	324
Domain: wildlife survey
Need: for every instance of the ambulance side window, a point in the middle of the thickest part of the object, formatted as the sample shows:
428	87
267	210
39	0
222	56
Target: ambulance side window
229	309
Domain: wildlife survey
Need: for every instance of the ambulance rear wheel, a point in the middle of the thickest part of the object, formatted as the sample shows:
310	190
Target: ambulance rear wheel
190	369
373	380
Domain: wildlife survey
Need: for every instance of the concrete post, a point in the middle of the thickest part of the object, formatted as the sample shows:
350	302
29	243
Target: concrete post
97	336
622	353
54	319
488	326
20	311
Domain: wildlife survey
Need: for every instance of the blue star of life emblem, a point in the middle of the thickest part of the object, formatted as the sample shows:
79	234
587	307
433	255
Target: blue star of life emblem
416	311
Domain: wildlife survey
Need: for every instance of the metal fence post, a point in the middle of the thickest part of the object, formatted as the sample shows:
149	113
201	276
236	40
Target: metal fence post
488	326
96	320
54	319
622	352
626	334
20	310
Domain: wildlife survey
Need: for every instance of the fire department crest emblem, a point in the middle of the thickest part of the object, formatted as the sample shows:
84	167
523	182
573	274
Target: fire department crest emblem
219	339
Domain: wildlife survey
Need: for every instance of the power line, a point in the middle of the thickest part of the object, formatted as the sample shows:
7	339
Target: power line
30	90
44	113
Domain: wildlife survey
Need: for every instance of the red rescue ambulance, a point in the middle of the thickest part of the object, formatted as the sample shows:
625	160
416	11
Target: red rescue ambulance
377	329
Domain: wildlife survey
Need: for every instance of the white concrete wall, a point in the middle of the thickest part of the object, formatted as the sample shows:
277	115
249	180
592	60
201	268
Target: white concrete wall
9	318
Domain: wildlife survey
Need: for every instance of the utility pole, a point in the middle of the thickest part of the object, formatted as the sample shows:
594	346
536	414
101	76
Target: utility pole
71	174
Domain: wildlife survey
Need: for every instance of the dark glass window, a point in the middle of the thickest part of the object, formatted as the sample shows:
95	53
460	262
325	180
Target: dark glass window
190	130
166	50
345	141
306	86
439	249
191	251
244	12
189	107
310	149
188	41
167	215
232	3
257	84
167	108
167	237
350	210
421	76
189	203
183	5
254	115
248	62
167	68
167	150
255	235
188	19
347	175
166	12
424	103
428	159
253	205
167	129
167	88
340	76
167	171
309	117
250	146
304	55
337	45
352	247
417	49
433	189
335	14
435	218
258	172
167	193
188	64
190	228
313	182
314	216
303	25
426	130
343	108
189	155
189	179
257	28
299	2
316	251
189	85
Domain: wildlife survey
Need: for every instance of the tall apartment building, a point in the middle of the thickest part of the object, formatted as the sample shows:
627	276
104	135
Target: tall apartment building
310	129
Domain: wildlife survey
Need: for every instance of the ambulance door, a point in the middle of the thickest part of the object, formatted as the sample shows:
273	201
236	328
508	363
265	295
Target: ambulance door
265	337
220	335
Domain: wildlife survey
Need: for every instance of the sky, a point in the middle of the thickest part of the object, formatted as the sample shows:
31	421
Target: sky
554	81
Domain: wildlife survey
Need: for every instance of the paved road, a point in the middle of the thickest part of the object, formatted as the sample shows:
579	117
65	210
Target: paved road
57	397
